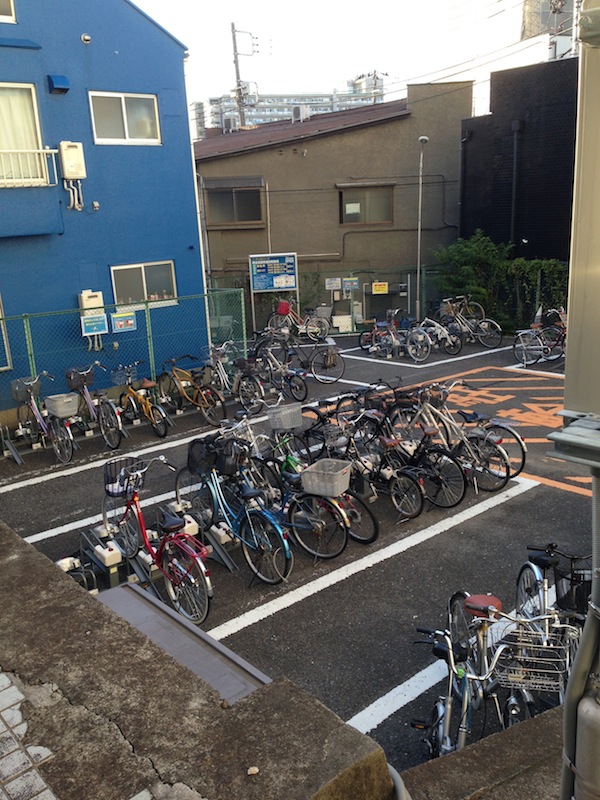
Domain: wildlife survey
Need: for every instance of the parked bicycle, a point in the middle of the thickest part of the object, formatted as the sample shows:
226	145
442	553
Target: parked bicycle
474	328
229	372
178	555
177	386
323	361
139	403
547	340
387	341
38	424
97	410
280	375
461	303
315	326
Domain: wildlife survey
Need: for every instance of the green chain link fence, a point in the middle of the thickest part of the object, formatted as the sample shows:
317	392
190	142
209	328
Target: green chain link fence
150	332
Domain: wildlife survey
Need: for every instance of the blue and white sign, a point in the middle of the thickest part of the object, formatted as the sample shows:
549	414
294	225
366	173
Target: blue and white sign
273	272
94	324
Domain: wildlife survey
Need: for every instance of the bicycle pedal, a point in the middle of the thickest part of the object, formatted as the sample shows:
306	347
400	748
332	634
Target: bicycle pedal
419	724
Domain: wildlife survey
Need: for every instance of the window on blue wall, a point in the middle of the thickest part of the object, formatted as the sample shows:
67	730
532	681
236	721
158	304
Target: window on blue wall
22	158
125	118
135	283
7	11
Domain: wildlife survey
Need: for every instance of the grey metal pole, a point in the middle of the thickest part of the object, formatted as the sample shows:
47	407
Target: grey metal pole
422	141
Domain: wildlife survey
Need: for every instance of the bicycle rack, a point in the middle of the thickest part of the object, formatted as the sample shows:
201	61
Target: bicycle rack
217	551
8	447
106	557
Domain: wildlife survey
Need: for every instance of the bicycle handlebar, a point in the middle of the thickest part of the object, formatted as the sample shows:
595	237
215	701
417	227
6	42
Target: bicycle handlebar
43	374
552	549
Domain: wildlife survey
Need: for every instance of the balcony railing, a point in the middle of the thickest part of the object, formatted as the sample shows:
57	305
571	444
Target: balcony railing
20	168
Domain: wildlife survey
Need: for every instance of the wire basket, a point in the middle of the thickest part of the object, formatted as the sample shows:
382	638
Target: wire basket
76	380
573	587
123	375
284	418
117	481
328	477
20	390
532	660
62	405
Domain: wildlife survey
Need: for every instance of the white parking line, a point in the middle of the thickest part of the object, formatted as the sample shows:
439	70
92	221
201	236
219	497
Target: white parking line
423	364
289	599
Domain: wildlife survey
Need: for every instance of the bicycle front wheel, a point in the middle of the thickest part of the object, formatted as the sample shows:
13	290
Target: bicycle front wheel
128	406
61	439
512	444
406	494
168	392
109	422
194	495
485	463
186	582
250	394
418	345
553	342
158	420
317	329
488	333
210	404
266	551
327	365
443	478
530	594
121	524
318	525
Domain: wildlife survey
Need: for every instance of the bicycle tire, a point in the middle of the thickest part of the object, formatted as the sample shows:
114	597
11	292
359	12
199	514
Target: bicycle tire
263	475
318	525
326	364
473	309
128	406
435	730
277	321
297	387
195	496
418	345
264	548
186	583
529	599
313	431
364	525
250	394
317	329
365	340
527	348
121	524
488	333
464	645
158	420
109	423
349	406
291	444
443	478
517	707
454	344
406	494
168	392
210	404
28	423
486	464
553	342
62	443
513	445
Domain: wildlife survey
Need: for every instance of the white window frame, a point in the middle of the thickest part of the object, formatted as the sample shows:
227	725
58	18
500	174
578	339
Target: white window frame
10	17
136	305
26	160
127	140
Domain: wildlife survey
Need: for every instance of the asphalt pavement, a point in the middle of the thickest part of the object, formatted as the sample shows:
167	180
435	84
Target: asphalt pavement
344	630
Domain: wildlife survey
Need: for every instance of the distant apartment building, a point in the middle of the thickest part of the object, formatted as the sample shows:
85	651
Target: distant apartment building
225	111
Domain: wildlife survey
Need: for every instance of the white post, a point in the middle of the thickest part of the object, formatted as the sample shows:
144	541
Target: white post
418	314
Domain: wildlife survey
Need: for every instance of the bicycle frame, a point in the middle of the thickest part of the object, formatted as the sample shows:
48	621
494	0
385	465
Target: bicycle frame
183	379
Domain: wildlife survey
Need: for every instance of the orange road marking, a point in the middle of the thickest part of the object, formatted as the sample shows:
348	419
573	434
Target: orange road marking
578	479
565	487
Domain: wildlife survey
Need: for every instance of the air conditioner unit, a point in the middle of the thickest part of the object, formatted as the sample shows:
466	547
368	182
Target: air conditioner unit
300	113
230	124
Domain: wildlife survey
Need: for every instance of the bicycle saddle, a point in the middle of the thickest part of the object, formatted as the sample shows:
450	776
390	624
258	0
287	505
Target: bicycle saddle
473	416
147	383
169	523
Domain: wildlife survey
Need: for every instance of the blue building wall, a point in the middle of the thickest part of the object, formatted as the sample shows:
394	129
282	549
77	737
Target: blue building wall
146	194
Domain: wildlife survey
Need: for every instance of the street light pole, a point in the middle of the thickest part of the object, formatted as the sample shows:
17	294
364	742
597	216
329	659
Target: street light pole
422	141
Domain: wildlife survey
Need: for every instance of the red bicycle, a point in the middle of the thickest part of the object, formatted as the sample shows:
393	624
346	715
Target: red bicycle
177	554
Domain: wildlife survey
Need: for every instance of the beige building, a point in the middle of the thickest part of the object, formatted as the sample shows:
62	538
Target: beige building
341	191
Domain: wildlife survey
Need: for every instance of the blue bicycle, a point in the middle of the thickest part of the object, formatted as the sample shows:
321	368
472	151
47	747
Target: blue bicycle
199	488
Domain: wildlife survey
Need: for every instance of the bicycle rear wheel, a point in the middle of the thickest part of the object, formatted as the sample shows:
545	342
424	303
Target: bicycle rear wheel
296	386
488	333
406	494
530	595
169	393
527	348
326	365
109	422
512	444
128	407
553	342
186	582
61	439
210	404
418	345
443	478
264	548
250	394
364	527
365	340
317	328
318	525
121	523
485	463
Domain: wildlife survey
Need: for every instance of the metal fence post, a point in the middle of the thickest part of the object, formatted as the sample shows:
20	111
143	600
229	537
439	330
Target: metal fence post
29	343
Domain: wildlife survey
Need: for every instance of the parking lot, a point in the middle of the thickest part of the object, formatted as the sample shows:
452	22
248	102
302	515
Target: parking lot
345	629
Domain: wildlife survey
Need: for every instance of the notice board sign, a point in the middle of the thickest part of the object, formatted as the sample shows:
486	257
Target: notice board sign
379	287
273	272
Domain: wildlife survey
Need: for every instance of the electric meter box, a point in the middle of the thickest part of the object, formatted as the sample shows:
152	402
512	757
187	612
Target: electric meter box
91	302
72	161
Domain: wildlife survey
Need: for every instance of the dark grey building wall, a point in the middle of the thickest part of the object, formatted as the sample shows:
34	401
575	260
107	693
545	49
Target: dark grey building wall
517	162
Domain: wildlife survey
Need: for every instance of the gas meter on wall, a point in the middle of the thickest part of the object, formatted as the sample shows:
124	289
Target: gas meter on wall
91	302
72	162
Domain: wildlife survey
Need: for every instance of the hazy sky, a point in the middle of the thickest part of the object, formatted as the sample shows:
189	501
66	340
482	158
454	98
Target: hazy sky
319	45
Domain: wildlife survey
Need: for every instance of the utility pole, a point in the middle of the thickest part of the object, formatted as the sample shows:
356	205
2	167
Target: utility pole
241	88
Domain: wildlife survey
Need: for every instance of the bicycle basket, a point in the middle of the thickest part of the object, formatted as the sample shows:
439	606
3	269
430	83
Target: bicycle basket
531	661
573	587
76	380
202	455
121	376
284	418
20	391
283	308
117	481
230	453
